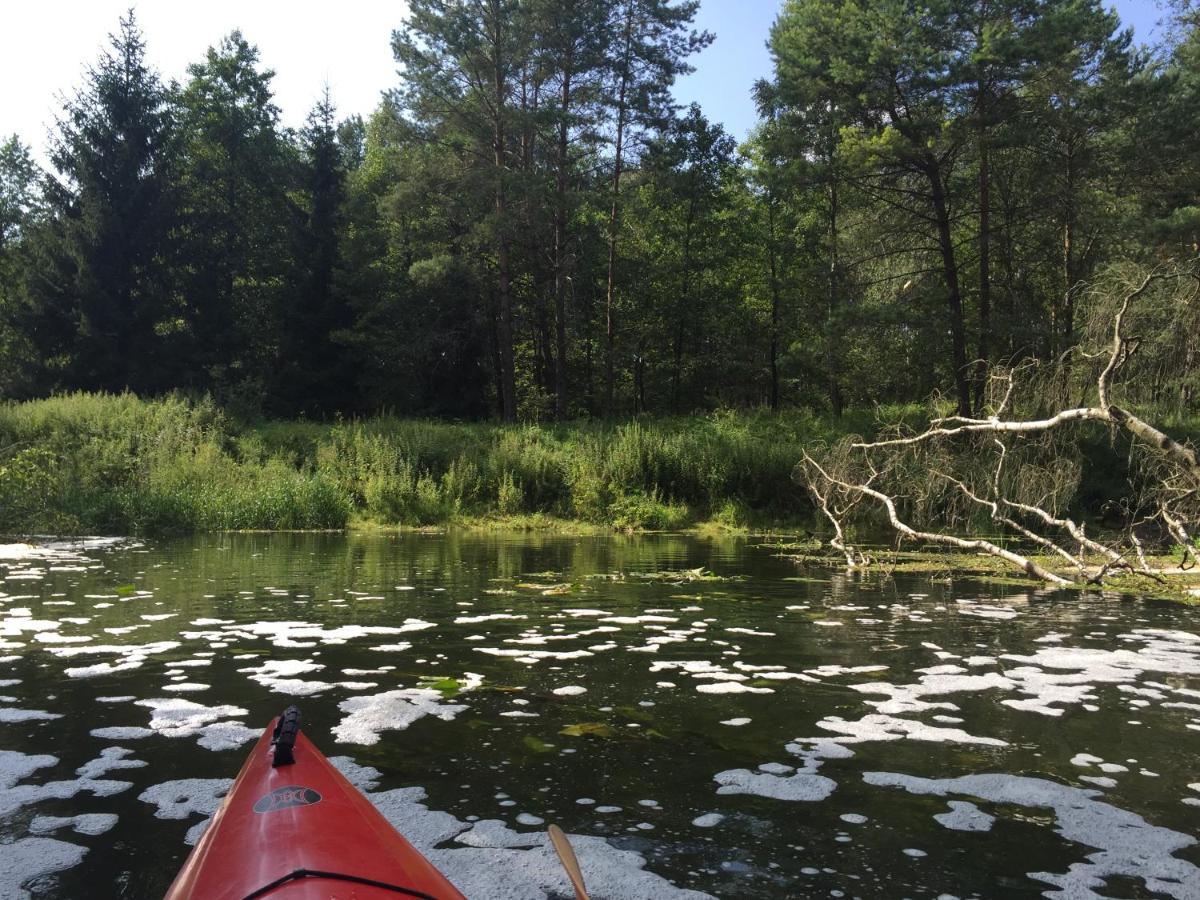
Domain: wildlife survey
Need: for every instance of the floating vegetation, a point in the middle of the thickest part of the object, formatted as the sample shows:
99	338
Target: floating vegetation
700	573
447	687
589	729
536	744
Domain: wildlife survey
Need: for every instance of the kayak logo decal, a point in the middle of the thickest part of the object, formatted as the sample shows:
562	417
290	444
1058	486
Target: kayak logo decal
285	798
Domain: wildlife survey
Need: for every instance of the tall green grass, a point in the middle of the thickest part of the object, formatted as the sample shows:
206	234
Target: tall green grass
119	464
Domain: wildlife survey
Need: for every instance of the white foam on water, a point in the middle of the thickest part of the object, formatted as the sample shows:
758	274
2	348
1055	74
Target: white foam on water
803	786
176	717
129	656
708	820
910	697
187	797
984	610
278	675
732	687
880	727
10	714
571	690
87	823
828	671
492	617
737	722
1126	845
220	736
964	816
186	687
529	819
854	818
773	782
24	860
53	637
529	657
752	632
774	768
121	733
368	716
111	759
306	634
16	766
365	778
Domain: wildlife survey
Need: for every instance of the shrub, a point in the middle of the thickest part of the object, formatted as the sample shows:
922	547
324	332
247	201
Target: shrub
510	498
640	510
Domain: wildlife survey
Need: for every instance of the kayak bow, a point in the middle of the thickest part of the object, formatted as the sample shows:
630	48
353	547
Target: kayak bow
292	827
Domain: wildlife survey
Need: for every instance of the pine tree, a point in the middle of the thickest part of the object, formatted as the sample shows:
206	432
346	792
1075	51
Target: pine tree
20	213
238	220
316	378
461	64
653	39
111	201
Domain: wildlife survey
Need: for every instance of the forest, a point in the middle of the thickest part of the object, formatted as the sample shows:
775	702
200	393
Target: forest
528	229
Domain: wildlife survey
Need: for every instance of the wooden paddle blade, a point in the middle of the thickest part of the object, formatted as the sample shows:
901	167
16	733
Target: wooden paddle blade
566	855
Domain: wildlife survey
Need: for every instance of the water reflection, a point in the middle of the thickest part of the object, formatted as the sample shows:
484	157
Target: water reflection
697	711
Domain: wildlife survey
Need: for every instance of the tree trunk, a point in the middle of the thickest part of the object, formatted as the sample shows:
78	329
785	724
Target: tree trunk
774	349
1066	323
615	214
985	281
836	401
508	381
560	247
958	339
685	297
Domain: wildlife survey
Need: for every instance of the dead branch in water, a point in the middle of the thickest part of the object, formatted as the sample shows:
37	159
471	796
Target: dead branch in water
1021	471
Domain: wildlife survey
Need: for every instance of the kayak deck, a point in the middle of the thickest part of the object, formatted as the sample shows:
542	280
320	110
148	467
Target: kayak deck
301	831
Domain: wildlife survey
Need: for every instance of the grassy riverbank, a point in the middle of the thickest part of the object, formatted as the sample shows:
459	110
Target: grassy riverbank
119	464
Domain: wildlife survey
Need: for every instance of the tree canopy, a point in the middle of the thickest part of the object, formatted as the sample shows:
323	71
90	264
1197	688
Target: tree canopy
528	227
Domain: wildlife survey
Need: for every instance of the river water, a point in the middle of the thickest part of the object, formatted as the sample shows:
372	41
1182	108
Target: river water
768	730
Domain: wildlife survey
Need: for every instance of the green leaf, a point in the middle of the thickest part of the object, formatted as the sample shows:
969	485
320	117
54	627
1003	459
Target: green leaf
448	687
589	729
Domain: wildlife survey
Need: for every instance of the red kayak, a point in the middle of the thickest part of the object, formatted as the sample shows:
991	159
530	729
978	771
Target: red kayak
293	827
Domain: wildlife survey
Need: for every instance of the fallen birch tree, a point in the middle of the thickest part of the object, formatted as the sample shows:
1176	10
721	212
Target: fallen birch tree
1016	466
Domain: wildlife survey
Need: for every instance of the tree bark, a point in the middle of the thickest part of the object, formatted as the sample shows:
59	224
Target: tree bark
985	280
508	381
774	348
958	338
836	402
614	219
560	244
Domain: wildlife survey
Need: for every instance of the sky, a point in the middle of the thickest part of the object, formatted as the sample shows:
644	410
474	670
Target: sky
45	46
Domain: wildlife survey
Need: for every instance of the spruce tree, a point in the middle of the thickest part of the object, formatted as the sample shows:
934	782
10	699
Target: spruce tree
113	213
316	379
238	221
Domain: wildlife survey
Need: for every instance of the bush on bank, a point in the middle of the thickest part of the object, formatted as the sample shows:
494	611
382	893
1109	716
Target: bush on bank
120	464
